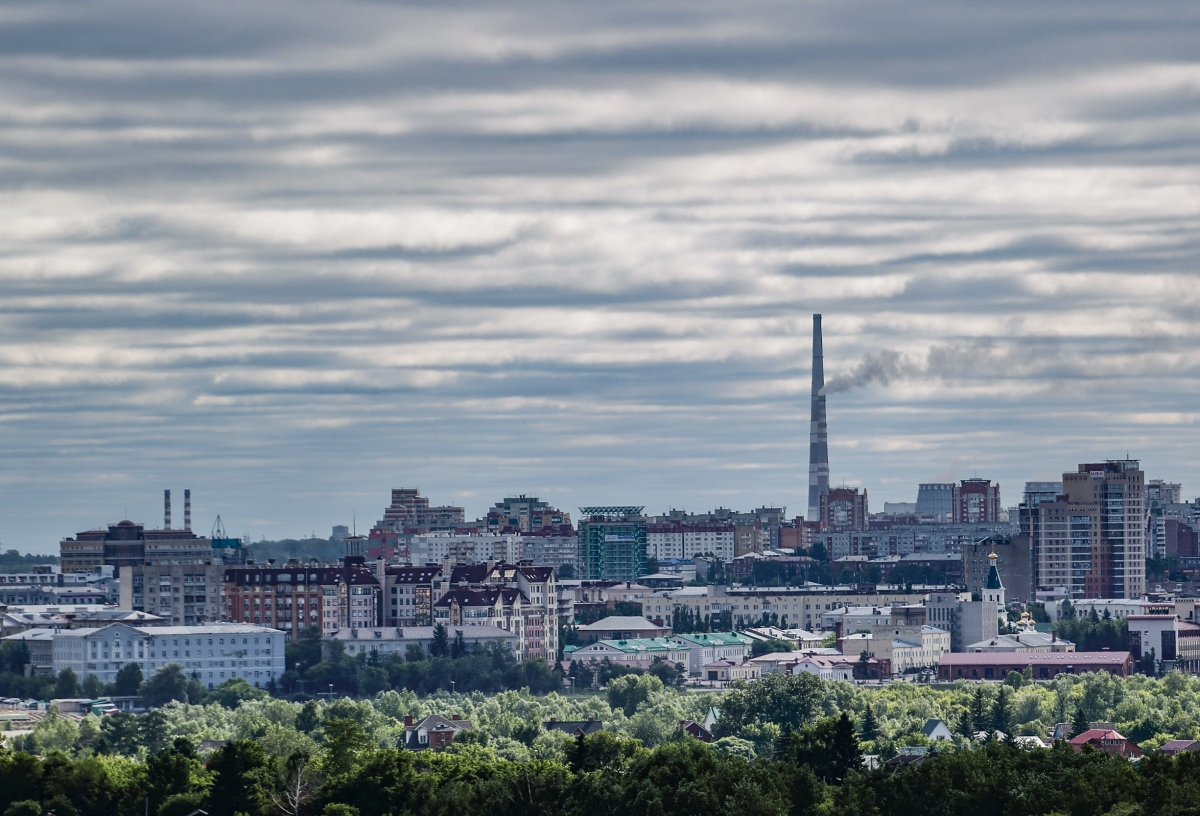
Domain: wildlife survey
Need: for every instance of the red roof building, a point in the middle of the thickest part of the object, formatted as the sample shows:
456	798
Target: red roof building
1108	741
1045	665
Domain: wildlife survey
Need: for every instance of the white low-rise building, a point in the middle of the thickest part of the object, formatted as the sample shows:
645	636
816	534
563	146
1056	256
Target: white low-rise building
704	648
213	653
827	668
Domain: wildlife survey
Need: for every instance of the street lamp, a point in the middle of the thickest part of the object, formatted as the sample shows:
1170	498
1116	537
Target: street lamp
452	686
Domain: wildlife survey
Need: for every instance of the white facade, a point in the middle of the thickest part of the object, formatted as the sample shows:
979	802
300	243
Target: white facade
1115	607
716	540
690	541
706	648
215	652
825	668
909	654
664	545
434	548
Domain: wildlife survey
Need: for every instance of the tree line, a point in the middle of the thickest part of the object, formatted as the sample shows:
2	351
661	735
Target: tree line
816	768
450	664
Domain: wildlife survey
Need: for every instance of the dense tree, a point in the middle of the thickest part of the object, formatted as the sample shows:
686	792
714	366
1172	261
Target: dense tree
128	681
780	699
67	684
762	647
627	693
1079	723
869	727
1002	715
977	712
510	767
671	674
305	651
234	692
93	687
439	644
239	770
14	656
167	684
1092	634
829	747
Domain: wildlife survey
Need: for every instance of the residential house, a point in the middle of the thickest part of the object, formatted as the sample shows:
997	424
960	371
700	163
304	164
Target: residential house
519	598
1179	746
433	733
779	662
696	730
408	594
937	730
294	596
1108	741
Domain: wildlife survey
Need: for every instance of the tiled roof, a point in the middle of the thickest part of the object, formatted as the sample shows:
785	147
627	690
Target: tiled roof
479	596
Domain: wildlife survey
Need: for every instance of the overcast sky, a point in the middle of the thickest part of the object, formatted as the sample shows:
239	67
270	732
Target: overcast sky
293	255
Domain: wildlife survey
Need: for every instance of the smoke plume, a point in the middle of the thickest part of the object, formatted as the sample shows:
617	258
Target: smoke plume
880	368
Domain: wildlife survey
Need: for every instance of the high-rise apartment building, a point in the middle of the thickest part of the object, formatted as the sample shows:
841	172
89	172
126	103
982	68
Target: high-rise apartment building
843	509
1092	537
295	595
1164	492
1029	521
975	501
410	512
683	540
524	514
519	598
612	543
1159	495
408	594
556	547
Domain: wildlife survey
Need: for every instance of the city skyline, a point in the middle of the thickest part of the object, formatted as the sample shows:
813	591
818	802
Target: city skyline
294	260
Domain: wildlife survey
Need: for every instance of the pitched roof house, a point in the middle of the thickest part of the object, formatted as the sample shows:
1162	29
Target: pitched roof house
1108	741
937	730
433	733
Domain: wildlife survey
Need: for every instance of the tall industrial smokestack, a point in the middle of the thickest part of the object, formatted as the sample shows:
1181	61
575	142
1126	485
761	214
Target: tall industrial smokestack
187	510
166	509
818	433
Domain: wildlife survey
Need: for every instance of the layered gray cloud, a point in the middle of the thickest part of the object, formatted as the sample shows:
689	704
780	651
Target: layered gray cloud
292	255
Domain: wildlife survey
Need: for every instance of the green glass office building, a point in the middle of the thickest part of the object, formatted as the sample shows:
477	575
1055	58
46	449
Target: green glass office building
612	543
